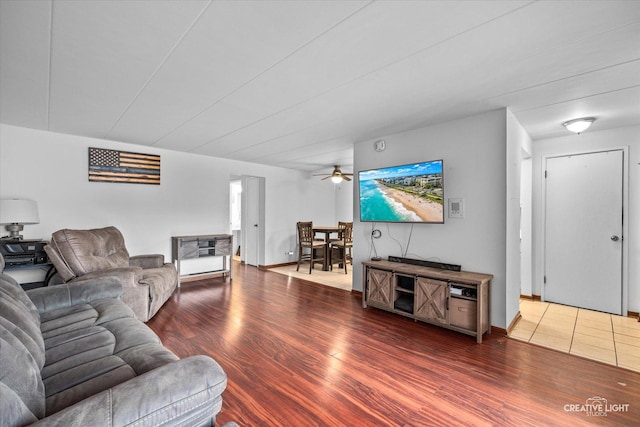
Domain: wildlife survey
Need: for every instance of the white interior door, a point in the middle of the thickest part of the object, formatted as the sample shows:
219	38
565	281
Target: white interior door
253	220
235	212
583	230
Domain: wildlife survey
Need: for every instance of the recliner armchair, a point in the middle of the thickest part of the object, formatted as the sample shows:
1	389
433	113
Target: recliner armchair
147	281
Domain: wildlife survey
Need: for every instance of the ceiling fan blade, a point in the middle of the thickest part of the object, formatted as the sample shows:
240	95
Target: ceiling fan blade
337	173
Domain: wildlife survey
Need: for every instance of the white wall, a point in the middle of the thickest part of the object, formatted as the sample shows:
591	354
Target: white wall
474	154
193	197
592	141
344	201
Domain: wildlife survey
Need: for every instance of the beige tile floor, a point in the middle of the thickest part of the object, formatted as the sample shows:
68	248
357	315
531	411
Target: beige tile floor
591	334
335	278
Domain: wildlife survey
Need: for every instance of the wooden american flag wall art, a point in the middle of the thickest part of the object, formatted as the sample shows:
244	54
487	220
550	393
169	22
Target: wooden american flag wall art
121	166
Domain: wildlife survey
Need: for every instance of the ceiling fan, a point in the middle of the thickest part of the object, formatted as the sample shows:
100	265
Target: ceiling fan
336	176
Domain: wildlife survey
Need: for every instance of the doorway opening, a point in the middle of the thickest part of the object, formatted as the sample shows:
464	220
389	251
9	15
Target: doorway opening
566	325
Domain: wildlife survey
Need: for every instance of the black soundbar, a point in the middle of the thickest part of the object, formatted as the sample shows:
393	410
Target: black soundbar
424	263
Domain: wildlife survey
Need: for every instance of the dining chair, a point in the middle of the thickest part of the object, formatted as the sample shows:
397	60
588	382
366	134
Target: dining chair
306	241
344	245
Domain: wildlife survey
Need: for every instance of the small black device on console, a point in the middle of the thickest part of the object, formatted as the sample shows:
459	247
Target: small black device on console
23	252
424	263
471	293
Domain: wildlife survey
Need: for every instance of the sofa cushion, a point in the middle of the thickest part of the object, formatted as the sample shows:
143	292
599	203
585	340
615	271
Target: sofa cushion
14	412
93	346
10	289
85	251
31	343
20	373
184	393
66	351
83	381
19	317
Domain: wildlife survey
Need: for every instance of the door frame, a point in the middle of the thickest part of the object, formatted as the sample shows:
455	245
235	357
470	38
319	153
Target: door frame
625	215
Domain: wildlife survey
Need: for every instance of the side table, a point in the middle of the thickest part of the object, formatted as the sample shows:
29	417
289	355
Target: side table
26	261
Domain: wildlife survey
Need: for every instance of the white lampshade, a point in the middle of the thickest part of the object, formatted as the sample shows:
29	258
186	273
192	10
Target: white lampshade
18	211
579	125
337	179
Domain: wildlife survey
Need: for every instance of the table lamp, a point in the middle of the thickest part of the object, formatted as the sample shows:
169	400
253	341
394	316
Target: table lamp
17	212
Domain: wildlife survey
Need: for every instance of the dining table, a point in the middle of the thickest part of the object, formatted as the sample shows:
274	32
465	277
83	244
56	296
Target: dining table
327	230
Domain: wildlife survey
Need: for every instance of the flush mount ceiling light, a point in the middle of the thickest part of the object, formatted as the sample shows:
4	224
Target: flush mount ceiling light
579	125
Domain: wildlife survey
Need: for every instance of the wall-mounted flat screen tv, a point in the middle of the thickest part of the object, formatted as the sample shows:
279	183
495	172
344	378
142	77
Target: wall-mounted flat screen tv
406	193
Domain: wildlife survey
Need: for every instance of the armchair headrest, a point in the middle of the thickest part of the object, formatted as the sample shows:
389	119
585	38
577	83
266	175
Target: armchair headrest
84	251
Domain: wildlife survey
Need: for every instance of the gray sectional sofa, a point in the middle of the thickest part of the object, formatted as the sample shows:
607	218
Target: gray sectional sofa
74	354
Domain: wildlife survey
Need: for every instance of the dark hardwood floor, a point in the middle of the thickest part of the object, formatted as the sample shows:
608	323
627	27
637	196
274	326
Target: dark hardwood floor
301	354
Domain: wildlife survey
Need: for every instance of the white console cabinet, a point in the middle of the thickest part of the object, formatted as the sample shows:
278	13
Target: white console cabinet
210	245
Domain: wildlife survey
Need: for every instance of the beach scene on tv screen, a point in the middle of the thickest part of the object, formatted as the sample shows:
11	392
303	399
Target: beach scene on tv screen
408	193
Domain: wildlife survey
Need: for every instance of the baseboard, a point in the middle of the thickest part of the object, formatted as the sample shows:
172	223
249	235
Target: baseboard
498	331
267	267
513	323
634	314
531	297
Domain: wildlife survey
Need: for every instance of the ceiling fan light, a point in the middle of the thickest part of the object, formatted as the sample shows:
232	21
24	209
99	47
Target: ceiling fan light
337	179
579	125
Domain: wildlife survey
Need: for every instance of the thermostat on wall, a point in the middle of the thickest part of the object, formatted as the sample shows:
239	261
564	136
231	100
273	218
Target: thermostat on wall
456	208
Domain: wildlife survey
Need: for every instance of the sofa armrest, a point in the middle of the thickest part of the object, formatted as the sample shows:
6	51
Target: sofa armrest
77	292
147	261
135	293
187	391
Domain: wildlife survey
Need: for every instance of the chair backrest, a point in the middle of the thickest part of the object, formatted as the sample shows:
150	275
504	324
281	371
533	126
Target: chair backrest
346	231
305	232
78	252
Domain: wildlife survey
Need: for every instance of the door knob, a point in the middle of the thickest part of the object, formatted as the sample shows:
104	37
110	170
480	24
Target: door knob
615	238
